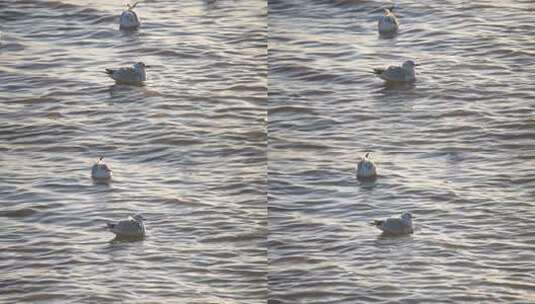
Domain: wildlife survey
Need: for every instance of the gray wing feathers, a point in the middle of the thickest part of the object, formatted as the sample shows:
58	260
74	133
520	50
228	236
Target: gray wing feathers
390	19
127	228
394	73
125	74
396	226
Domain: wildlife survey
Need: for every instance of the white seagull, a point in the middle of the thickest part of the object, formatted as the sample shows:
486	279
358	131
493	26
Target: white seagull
366	169
399	74
134	75
129	20
100	171
395	226
131	227
388	23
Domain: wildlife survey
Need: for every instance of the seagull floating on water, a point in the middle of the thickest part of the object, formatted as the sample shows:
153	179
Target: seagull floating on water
131	227
400	74
366	169
395	226
134	75
388	23
129	20
100	171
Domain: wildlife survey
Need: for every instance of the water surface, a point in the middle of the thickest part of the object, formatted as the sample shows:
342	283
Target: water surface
188	151
456	149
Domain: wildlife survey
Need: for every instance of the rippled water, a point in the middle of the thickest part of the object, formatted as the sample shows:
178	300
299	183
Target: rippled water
457	149
188	151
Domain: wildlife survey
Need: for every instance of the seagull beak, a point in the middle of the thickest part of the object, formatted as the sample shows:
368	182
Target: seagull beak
147	66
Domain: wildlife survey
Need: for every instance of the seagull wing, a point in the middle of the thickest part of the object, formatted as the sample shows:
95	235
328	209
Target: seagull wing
393	74
395	226
127	227
125	74
390	18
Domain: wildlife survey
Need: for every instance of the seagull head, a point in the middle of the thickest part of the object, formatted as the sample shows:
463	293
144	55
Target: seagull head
102	166
131	6
407	216
409	64
138	217
140	65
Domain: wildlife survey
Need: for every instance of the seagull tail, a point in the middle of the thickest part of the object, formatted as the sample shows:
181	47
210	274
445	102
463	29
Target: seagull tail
108	71
378	71
376	223
110	225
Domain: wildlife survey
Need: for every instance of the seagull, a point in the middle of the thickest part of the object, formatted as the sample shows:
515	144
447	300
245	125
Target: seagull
100	171
400	74
134	75
129	20
395	226
366	169
131	227
388	23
